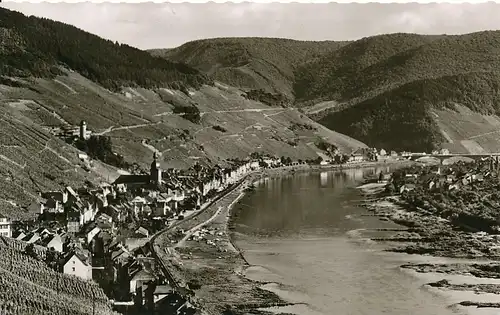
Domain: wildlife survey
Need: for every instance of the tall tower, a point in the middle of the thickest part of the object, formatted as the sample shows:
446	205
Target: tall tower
83	130
155	170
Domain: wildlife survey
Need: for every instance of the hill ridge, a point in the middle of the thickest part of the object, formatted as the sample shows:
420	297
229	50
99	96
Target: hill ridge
364	72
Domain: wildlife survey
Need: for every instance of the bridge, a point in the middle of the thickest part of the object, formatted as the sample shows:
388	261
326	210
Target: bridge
443	157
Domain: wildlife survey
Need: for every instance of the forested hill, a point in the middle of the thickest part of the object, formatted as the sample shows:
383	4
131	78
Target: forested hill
31	46
414	93
397	91
266	64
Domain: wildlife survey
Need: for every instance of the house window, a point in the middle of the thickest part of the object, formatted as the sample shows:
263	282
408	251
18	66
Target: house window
73	269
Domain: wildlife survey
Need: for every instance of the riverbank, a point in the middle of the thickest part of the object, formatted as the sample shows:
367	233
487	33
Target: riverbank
200	253
431	235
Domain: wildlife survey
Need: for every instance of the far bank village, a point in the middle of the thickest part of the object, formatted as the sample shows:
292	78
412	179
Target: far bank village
102	233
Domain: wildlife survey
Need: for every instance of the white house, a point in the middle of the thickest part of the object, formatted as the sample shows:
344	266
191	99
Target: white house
77	265
139	203
139	278
444	152
54	241
5	226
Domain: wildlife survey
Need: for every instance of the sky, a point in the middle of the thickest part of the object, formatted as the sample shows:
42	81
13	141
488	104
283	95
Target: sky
168	25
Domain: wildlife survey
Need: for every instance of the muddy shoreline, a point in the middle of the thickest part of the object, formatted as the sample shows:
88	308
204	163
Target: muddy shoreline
429	235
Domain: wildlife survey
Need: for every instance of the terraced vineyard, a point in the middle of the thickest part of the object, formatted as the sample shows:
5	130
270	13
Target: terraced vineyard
30	287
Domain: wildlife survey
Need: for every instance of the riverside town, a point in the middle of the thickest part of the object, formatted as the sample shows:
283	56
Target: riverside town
151	164
106	233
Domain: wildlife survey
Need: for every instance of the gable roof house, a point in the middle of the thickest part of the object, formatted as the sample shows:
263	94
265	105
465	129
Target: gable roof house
120	257
104	221
54	241
51	205
142	232
92	233
139	203
76	264
117	212
161	205
139	278
31	238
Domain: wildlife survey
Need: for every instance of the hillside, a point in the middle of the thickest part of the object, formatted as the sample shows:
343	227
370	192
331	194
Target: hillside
29	286
457	112
35	105
266	64
31	46
402	93
397	91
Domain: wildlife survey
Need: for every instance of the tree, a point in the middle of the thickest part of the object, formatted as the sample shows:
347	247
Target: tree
345	158
30	250
52	258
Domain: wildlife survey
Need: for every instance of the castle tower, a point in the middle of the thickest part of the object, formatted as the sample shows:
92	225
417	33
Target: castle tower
155	172
83	130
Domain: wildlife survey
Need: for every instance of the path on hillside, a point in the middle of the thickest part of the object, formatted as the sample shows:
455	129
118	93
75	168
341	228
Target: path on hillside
112	128
245	110
151	148
483	134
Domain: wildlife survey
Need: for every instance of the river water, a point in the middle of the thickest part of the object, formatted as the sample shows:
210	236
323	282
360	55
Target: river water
306	234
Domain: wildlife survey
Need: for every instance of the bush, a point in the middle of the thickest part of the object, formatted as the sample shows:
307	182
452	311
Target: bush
101	148
219	128
191	113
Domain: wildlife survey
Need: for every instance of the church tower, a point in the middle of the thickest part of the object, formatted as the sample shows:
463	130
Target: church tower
155	172
83	130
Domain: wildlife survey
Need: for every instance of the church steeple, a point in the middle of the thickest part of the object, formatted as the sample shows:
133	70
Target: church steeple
155	172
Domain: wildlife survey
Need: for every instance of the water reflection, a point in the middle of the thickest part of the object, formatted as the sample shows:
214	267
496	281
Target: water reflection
324	178
303	203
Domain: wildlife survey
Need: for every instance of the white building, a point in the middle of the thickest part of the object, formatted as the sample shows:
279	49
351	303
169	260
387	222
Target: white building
77	265
5	227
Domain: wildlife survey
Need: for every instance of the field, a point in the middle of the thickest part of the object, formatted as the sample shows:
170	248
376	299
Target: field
466	131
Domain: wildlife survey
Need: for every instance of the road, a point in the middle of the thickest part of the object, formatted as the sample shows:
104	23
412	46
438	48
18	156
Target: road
199	226
168	275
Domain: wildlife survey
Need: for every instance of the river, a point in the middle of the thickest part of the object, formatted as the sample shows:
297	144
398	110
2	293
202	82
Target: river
306	235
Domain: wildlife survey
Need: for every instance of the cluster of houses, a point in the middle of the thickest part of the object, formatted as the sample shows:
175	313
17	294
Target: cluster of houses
453	177
100	232
72	132
360	155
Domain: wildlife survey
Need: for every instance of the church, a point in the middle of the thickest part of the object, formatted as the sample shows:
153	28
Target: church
128	182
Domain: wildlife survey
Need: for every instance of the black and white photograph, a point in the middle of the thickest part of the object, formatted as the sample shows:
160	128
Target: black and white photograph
249	158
